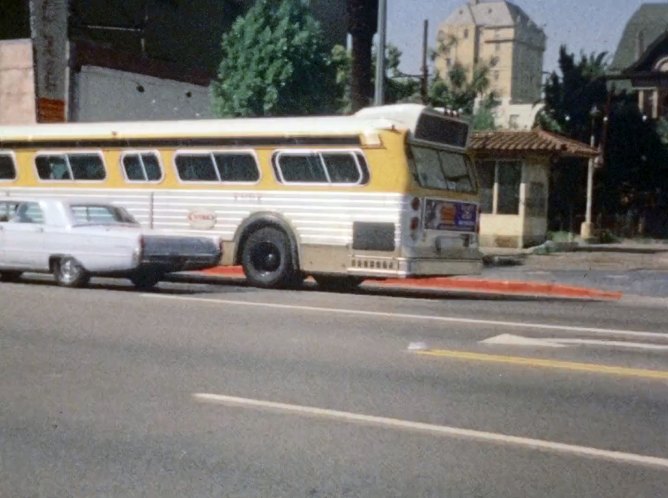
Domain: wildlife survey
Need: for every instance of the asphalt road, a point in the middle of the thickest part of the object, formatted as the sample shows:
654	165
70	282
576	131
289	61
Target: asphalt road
223	390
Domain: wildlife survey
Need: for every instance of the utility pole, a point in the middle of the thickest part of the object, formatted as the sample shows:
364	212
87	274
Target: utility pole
379	93
424	87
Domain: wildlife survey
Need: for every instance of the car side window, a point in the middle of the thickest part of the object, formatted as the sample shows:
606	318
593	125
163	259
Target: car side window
7	210
28	212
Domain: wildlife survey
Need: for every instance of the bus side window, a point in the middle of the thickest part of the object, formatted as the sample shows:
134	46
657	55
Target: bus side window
342	167
7	167
87	166
196	167
52	167
152	167
142	167
361	160
236	167
301	168
133	169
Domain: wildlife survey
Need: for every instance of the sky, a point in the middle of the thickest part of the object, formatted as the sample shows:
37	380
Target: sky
581	25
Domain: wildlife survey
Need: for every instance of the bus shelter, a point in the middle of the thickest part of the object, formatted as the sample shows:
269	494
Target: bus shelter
514	175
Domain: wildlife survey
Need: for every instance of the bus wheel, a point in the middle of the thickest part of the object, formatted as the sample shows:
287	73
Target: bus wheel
10	276
338	284
145	280
267	259
68	272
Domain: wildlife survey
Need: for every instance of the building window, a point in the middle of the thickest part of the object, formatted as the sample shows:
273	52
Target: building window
536	200
466	33
506	176
497	47
486	174
509	177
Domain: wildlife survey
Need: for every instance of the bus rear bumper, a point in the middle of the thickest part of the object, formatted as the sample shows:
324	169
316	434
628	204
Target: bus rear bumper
433	267
417	267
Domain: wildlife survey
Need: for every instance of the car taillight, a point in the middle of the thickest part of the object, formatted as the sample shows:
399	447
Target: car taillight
415	223
415	204
139	251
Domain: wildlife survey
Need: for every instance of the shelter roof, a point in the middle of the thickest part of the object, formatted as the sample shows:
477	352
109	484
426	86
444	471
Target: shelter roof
534	141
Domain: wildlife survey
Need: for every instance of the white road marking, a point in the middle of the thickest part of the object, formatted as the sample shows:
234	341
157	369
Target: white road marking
407	316
518	340
439	430
554	342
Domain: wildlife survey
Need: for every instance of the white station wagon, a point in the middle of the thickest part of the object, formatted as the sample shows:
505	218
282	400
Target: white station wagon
77	239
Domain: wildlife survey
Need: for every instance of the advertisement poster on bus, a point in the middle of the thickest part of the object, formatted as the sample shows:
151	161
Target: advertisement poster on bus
450	215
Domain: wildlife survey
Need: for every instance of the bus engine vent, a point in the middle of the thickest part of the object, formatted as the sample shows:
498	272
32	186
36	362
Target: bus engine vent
373	236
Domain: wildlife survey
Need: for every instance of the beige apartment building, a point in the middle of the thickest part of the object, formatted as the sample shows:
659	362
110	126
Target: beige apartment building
502	35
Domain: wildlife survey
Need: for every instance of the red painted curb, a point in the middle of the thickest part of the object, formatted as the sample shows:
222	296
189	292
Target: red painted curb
478	285
505	287
225	271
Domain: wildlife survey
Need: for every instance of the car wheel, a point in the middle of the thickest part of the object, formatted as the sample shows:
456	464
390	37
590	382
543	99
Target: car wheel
344	283
145	280
10	276
267	259
69	273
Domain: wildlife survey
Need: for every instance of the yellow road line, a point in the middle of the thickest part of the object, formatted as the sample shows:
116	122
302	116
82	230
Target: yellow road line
543	363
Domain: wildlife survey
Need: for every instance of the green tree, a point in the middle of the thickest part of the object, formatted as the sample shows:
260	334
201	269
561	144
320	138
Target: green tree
274	62
398	87
570	96
634	157
461	93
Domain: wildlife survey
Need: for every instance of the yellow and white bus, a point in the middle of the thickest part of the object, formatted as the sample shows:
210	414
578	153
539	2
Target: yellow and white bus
387	192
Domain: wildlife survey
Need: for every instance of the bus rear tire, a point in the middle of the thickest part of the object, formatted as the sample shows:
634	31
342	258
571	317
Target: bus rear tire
267	259
344	283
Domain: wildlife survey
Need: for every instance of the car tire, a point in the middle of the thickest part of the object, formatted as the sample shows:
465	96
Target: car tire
345	283
145	280
267	260
10	276
68	272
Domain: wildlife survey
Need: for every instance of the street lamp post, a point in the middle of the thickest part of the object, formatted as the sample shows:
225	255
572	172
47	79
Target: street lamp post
587	227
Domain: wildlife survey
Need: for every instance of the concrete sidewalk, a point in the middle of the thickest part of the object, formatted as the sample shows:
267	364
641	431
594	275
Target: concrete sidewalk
631	268
624	255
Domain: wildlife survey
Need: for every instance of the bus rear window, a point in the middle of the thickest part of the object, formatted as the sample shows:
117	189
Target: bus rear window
443	170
